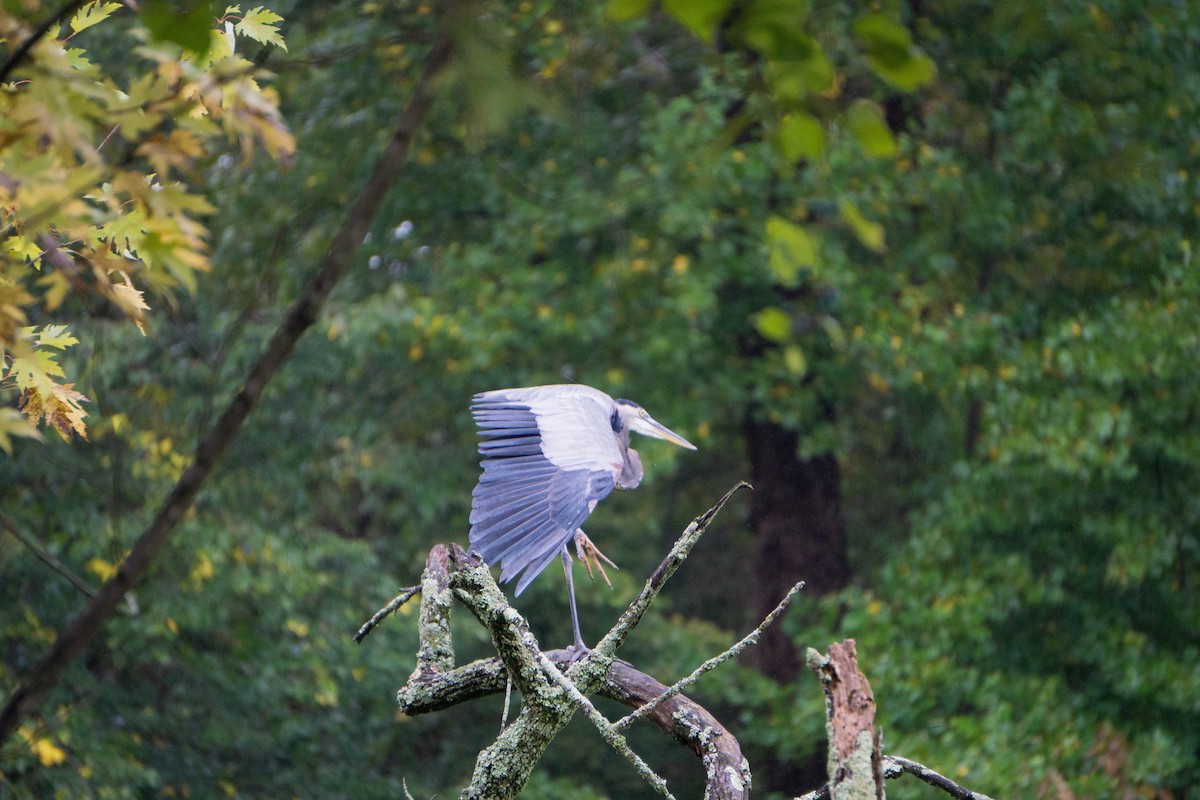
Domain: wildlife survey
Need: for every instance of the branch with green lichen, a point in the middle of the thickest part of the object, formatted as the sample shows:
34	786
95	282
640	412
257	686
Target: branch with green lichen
555	684
856	765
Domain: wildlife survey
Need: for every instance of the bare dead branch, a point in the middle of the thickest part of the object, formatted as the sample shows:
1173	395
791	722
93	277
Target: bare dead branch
379	616
856	767
86	625
894	766
686	721
679	552
550	697
607	731
727	773
747	641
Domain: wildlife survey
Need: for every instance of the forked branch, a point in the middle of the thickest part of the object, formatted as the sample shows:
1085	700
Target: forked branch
554	685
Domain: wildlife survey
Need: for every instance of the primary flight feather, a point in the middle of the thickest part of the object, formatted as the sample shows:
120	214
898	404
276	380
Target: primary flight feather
551	453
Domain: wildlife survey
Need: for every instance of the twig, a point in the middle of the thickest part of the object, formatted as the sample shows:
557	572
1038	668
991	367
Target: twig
607	730
47	557
507	701
815	794
748	641
894	766
378	617
304	312
687	540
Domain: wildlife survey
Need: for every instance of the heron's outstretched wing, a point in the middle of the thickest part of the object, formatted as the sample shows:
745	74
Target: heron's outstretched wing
550	454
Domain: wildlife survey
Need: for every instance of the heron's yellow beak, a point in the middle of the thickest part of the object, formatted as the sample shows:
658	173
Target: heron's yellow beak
649	427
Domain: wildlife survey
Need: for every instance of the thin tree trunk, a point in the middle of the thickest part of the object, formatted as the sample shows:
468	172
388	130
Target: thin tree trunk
88	623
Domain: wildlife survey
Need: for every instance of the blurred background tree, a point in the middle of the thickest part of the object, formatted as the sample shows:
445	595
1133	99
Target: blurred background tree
946	324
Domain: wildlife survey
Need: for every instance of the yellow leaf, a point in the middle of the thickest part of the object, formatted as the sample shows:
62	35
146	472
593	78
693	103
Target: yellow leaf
130	301
48	753
56	336
59	408
791	249
100	568
91	14
172	625
774	324
22	249
262	25
57	287
621	10
866	122
793	359
298	627
13	423
202	570
800	136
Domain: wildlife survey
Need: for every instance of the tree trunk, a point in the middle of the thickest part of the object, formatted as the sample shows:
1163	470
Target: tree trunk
799	533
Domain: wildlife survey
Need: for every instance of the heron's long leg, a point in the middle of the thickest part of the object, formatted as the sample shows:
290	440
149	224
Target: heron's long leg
580	647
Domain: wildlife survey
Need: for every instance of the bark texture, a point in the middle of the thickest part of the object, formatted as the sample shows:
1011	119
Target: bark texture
855	762
799	532
553	686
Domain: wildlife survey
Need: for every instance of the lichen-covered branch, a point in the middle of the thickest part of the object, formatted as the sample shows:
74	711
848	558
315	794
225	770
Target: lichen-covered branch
550	697
379	616
857	768
726	769
894	767
854	762
607	731
436	653
679	552
747	641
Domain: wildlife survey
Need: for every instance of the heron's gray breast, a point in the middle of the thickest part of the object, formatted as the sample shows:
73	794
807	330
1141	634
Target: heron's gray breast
631	470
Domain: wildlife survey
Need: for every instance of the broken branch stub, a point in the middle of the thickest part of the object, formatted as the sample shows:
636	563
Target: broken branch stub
855	762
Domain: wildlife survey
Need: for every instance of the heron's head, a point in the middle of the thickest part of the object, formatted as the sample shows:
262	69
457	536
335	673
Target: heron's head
632	417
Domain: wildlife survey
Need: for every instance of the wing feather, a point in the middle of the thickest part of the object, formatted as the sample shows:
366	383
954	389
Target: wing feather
549	456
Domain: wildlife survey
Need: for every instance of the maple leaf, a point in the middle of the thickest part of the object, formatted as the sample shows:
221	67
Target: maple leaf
92	14
60	409
130	301
262	25
58	336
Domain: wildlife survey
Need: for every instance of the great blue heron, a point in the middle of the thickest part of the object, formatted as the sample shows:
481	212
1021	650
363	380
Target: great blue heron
551	453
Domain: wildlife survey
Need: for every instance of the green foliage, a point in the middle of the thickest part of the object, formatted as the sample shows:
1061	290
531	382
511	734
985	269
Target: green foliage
93	159
990	284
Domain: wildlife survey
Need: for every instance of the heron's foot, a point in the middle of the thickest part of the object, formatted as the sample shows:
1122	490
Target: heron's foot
589	554
578	652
